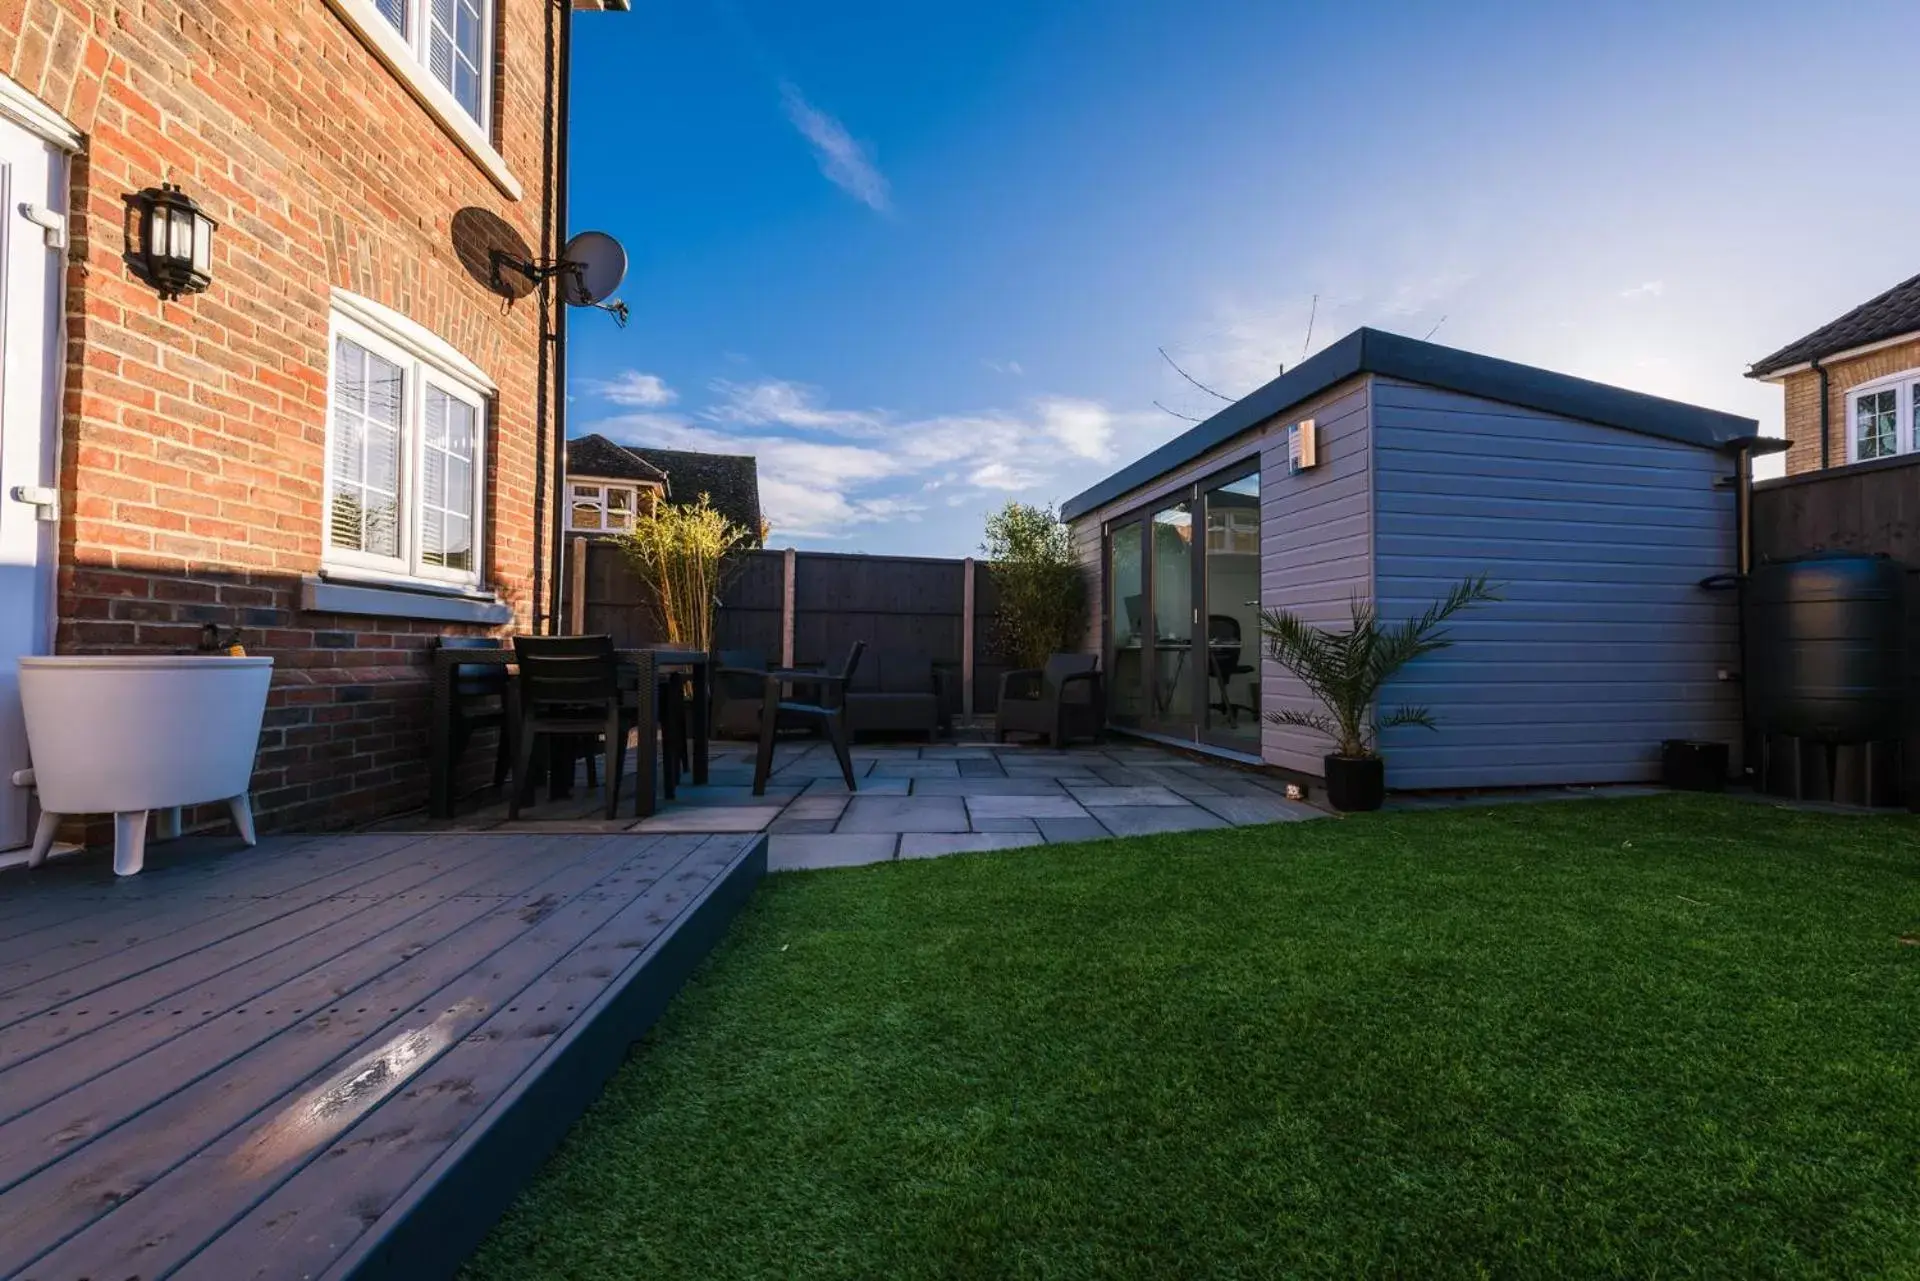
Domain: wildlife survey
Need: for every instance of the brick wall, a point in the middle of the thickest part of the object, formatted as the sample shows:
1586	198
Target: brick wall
193	437
1803	402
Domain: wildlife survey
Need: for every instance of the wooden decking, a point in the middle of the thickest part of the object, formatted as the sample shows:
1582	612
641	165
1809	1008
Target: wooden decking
330	1056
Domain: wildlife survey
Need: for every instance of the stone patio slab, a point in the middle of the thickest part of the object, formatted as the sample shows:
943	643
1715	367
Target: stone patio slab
733	794
978	769
999	785
1240	810
796	851
1055	806
934	844
981	824
710	818
1058	830
916	769
868	786
1145	820
815	826
904	814
1102	795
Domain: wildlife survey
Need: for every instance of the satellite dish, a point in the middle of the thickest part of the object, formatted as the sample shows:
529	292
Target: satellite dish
593	264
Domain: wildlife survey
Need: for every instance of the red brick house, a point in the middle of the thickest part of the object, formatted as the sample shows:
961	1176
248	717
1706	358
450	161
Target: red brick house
346	444
1852	386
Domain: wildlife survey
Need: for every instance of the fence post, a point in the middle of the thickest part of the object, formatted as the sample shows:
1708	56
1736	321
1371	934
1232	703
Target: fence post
787	562
966	640
577	589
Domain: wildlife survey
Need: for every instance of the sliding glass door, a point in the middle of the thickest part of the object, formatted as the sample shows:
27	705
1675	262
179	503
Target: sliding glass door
1232	555
1182	624
1126	639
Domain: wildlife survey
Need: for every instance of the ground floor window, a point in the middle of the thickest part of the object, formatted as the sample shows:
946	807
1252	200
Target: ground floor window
1883	417
406	467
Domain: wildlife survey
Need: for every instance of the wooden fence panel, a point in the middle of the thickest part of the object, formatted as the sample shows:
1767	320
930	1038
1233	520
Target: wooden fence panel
906	604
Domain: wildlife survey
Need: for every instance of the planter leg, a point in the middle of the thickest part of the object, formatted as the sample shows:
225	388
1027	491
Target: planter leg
129	842
242	808
166	823
43	839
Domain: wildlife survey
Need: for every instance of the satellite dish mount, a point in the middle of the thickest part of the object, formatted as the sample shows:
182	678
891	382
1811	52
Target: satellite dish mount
589	269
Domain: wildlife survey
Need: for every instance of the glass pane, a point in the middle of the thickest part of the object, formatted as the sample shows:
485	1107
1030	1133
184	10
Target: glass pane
1876	425
448	436
619	500
469	33
459	543
1174	671
1126	699
394	11
368	393
586	516
440	53
1233	613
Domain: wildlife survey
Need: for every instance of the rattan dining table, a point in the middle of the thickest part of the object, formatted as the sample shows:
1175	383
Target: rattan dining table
640	670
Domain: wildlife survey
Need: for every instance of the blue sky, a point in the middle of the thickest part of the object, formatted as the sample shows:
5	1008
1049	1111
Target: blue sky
919	258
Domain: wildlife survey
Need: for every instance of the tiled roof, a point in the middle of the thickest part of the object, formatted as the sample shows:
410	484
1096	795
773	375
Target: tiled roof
598	456
731	481
1892	314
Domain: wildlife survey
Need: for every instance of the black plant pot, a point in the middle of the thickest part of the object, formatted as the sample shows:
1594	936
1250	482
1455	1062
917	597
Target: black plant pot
1355	784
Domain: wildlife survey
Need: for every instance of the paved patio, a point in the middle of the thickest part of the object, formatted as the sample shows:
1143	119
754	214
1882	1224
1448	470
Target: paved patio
922	801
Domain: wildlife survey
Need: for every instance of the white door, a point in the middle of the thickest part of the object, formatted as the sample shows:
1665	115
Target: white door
33	195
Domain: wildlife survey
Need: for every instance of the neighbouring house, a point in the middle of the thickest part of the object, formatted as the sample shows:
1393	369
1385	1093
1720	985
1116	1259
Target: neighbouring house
607	485
607	482
1852	386
1387	469
345	443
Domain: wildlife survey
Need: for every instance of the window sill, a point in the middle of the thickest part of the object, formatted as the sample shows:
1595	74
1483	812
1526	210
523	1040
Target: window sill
334	595
391	49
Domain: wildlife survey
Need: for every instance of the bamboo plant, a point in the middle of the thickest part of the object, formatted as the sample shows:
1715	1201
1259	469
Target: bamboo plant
684	554
1345	669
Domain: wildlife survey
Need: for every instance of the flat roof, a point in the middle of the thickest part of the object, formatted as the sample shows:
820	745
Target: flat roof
1374	351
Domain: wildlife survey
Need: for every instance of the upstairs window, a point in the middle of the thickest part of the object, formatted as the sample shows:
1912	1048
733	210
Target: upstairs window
595	508
1883	417
453	40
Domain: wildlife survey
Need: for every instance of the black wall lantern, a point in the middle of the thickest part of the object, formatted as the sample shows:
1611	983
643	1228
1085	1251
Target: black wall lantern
171	242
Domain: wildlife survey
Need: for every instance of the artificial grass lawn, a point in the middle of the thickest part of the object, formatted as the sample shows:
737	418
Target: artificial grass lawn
1661	1037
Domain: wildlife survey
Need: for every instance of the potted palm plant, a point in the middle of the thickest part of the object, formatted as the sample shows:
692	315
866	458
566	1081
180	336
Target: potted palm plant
1345	669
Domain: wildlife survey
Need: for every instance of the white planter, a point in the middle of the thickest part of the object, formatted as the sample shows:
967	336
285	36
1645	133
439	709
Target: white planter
130	733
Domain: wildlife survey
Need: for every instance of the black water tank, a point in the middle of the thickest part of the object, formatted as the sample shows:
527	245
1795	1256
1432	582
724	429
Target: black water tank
1826	647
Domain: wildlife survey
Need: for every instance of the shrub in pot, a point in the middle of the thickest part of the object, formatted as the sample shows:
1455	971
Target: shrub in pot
1041	588
1344	671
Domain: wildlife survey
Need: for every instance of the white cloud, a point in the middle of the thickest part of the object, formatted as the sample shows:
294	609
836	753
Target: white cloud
842	161
1651	289
825	472
1011	367
1084	428
631	387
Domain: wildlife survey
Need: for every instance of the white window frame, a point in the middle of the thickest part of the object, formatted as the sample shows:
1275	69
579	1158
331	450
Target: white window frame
599	502
423	358
1906	388
408	57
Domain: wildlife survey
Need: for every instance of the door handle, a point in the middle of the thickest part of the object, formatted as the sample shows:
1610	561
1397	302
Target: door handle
52	226
44	501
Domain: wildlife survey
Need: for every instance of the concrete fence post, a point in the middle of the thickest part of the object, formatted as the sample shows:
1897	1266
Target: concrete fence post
577	589
788	563
966	638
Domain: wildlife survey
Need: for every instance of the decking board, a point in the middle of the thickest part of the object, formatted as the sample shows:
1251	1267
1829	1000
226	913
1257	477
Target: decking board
180	1133
312	970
